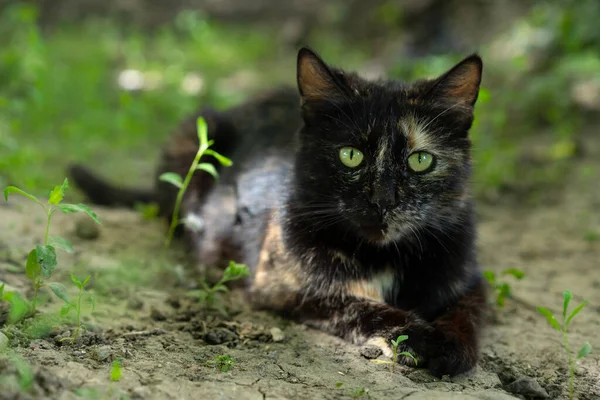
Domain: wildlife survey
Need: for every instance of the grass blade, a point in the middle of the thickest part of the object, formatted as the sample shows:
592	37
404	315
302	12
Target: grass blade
585	350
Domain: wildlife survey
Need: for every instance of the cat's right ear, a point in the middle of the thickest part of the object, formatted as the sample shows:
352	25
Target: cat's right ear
316	81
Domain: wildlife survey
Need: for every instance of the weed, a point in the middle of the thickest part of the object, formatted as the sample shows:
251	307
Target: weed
585	350
355	392
502	289
115	371
76	305
19	307
41	261
395	354
224	362
176	180
210	295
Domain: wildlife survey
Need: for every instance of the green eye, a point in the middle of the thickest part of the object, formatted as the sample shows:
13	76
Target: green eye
351	157
420	161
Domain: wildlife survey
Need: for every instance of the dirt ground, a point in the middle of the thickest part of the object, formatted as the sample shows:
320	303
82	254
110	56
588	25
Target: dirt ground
167	343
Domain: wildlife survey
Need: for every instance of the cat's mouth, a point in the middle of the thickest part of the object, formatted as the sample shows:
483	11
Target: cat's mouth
374	232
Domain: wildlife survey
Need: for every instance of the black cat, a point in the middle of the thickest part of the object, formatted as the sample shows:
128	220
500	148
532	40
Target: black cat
350	203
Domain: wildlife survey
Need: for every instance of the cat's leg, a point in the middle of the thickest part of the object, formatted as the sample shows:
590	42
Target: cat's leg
449	345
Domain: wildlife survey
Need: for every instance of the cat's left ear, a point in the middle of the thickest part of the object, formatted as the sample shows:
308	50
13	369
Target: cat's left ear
460	85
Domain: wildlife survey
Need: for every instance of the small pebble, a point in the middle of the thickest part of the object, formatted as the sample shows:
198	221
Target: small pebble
370	352
526	386
102	353
86	228
157	315
277	334
135	304
219	336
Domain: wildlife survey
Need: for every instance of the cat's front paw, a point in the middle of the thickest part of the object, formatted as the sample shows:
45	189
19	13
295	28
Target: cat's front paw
453	358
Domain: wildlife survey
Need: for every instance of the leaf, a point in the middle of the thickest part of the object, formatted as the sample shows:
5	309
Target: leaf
208	168
14	189
220	288
514	272
551	320
32	268
585	350
202	131
71	208
490	277
2	291
76	281
567	296
235	271
60	291
575	312
19	307
407	354
172	178
221	158
61	243
66	308
86	280
58	193
46	257
400	339
339	384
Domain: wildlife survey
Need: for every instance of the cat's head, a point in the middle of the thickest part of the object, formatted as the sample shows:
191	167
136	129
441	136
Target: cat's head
384	159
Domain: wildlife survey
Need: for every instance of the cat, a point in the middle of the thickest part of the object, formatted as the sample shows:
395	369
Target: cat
350	201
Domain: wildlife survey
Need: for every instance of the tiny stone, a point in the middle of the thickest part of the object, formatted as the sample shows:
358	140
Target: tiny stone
86	228
102	353
277	334
135	304
526	386
370	352
3	341
157	315
219	336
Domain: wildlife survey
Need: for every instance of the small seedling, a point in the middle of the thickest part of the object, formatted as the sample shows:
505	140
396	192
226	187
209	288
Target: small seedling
210	295
76	305
176	180
41	261
224	362
115	371
394	361
356	392
585	350
503	289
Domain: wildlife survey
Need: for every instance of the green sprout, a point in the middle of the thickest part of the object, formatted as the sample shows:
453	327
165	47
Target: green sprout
224	362
355	392
176	180
585	350
115	371
394	361
76	305
503	289
41	261
210	295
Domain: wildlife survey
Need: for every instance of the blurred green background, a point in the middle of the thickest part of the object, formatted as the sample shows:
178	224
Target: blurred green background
105	81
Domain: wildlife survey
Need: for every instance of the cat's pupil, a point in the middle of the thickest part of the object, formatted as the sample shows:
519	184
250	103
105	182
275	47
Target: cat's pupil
420	157
351	154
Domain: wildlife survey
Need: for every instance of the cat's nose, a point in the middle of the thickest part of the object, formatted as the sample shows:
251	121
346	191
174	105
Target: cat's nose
383	200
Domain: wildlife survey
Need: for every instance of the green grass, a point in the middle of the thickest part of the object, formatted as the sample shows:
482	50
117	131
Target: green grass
60	102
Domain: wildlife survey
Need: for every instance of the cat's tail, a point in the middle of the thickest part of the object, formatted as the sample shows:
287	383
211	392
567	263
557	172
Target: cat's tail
100	192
